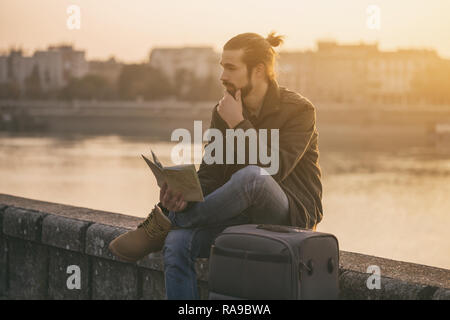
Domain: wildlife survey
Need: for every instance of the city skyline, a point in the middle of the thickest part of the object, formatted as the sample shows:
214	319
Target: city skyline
30	52
122	30
334	72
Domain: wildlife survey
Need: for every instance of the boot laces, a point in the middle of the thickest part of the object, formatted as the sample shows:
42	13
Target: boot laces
152	227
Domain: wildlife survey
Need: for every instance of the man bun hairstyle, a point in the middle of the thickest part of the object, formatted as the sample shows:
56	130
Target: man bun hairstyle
257	49
274	40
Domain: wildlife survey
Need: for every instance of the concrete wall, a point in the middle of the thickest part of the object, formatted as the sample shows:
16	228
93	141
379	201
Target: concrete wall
40	240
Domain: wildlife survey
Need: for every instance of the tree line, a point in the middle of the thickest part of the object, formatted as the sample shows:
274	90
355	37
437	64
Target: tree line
142	82
135	82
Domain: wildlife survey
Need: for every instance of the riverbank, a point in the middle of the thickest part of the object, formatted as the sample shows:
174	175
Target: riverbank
160	118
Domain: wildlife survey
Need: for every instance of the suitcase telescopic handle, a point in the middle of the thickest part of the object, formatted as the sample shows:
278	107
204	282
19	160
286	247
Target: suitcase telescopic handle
274	228
249	255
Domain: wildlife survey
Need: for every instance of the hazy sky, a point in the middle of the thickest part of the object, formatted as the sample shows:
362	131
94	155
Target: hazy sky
128	29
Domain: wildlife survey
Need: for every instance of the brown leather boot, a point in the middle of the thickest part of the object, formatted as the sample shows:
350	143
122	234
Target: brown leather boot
148	237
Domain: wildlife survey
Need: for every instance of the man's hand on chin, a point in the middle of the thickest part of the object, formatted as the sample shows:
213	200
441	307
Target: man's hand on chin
230	109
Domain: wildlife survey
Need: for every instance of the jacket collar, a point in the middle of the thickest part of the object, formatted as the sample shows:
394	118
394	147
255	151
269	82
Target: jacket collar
271	101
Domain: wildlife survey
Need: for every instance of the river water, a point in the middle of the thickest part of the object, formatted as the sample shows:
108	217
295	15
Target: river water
392	204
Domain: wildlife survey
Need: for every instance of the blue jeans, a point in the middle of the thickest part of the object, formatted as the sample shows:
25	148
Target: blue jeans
248	197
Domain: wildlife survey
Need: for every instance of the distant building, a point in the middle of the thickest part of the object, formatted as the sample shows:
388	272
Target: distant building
3	69
74	61
353	72
390	74
55	66
333	72
202	62
19	68
50	69
108	69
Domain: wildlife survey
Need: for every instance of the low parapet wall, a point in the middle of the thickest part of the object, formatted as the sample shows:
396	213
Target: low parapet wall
45	248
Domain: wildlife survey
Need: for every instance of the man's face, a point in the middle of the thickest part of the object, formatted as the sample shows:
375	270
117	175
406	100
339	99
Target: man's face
235	74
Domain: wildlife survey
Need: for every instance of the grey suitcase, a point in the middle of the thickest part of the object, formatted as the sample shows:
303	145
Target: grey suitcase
273	262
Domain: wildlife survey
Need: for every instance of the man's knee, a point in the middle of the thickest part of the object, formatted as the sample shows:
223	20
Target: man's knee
250	173
253	182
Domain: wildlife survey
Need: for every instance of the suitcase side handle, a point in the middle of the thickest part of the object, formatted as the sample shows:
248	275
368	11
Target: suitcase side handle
250	255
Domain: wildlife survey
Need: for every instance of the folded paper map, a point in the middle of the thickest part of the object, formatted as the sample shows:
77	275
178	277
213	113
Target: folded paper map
181	178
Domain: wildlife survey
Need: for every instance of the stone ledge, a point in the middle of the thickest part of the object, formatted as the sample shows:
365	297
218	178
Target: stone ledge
353	287
73	212
28	273
3	265
66	227
404	271
114	280
442	294
23	223
58	262
98	237
2	208
65	233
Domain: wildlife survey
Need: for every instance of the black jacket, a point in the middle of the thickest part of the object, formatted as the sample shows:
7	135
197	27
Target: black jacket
299	173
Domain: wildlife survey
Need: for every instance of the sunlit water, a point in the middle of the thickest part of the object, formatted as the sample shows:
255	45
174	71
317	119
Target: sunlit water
393	205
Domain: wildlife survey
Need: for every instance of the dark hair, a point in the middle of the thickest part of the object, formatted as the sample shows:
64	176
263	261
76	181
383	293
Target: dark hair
256	50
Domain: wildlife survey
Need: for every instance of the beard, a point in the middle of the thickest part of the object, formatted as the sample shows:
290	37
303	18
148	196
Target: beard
231	88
